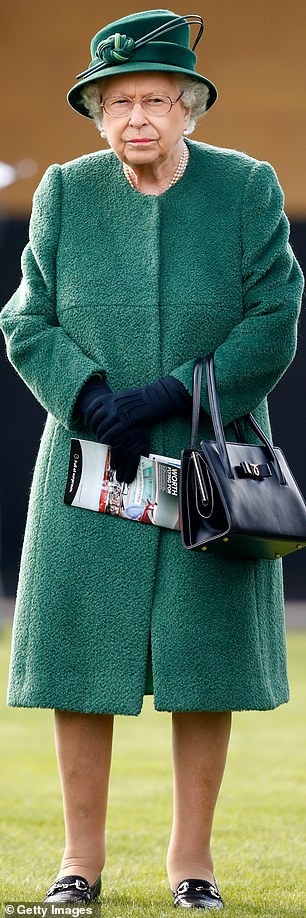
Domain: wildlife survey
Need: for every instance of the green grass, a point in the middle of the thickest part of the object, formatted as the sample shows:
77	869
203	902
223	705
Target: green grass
259	838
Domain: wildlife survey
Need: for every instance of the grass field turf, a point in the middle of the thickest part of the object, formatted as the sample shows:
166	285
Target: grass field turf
259	836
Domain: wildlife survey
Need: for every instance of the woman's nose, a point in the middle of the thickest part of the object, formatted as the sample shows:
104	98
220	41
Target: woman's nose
138	116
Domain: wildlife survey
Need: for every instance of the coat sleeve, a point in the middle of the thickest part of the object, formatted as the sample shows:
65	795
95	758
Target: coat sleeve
259	349
53	366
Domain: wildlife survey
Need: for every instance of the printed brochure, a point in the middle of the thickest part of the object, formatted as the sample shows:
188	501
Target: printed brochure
151	498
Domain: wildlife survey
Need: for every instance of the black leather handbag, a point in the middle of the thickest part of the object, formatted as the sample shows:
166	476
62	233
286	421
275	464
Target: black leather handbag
237	499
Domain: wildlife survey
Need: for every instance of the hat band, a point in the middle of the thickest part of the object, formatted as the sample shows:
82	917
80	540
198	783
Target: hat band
157	52
118	48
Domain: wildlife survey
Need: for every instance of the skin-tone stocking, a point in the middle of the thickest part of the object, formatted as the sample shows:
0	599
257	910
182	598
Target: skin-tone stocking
199	744
83	745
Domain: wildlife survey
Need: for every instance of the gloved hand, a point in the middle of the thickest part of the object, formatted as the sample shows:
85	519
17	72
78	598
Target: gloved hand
115	414
135	443
125	459
95	387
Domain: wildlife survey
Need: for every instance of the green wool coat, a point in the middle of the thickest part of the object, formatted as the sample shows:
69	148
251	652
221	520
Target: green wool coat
134	287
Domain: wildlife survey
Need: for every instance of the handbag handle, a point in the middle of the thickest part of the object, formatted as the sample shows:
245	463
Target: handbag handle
196	400
196	403
217	419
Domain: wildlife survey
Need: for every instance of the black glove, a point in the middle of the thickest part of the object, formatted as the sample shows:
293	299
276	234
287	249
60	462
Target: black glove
125	456
95	387
115	414
125	459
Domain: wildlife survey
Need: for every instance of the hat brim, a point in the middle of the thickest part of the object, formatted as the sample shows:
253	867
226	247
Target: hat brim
74	97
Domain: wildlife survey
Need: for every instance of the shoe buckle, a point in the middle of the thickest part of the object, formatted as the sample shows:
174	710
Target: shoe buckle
182	888
214	892
79	884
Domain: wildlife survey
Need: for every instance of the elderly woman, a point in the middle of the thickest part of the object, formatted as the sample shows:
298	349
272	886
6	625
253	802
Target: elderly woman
142	257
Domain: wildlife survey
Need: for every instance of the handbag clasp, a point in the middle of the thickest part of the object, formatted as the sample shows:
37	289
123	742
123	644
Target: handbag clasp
201	483
253	470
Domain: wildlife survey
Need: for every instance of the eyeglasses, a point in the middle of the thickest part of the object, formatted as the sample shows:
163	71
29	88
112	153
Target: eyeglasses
119	106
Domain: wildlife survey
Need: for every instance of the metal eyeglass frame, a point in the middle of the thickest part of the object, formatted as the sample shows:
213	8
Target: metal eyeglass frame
141	101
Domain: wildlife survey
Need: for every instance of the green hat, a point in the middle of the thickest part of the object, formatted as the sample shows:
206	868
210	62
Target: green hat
151	40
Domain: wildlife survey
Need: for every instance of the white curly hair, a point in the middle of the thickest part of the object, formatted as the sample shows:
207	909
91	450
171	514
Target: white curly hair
195	96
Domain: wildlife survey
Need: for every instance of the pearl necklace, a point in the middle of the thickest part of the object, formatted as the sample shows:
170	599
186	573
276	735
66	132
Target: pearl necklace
134	182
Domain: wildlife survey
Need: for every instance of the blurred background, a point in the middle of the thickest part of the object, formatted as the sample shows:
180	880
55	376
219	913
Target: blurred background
256	56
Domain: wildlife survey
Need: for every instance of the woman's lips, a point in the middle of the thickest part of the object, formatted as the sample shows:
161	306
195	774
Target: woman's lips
142	140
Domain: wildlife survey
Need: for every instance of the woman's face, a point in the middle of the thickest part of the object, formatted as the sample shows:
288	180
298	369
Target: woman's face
139	138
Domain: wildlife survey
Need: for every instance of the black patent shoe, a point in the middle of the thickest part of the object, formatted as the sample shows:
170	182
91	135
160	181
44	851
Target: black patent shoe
197	894
73	889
